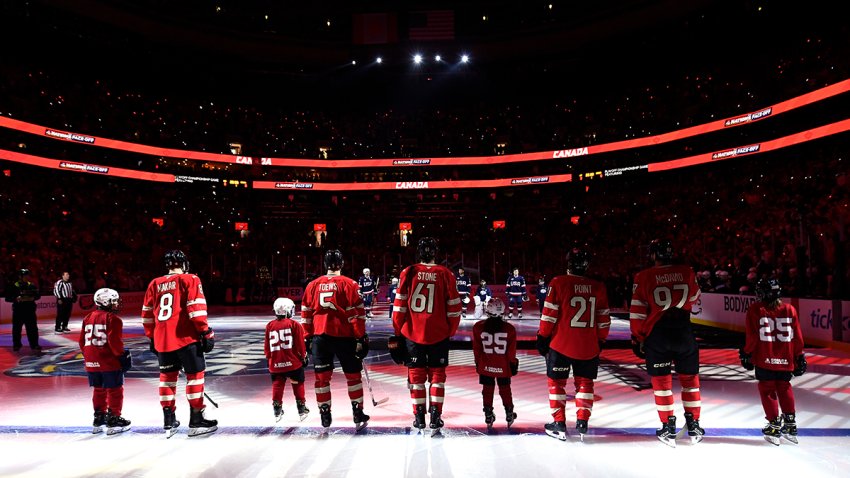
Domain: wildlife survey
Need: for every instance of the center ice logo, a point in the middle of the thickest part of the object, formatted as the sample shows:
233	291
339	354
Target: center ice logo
235	354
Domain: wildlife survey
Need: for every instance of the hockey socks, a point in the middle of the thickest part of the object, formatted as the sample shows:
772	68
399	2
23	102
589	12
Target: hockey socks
487	392
507	396
662	387
167	389
195	390
355	388
278	385
416	378
769	400
437	377
691	395
323	388
557	398
584	398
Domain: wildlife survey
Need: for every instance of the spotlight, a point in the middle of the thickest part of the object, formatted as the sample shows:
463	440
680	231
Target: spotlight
353	62
417	58
438	58
464	59
379	60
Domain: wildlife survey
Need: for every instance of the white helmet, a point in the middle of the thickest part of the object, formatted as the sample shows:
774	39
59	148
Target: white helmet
107	299
366	271
284	307
394	280
495	307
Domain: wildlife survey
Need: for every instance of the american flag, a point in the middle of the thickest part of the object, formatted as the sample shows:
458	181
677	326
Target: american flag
432	25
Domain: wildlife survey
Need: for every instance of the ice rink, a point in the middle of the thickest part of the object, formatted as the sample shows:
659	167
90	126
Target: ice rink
45	420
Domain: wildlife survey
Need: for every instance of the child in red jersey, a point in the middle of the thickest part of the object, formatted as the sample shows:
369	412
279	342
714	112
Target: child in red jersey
494	347
774	348
287	355
106	361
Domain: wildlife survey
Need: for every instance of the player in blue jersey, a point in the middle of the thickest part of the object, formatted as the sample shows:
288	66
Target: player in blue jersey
368	289
464	290
515	289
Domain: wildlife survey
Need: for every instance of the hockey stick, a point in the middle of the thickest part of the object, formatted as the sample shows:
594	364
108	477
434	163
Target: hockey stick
211	400
375	403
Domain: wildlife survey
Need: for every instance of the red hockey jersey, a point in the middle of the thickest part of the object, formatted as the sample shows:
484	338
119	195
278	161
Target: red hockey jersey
427	304
576	316
284	345
494	351
101	342
174	311
657	289
332	306
774	337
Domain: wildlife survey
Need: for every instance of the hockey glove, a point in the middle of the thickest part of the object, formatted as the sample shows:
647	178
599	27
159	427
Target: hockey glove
746	360
800	365
362	348
397	345
543	345
637	348
514	367
207	340
308	344
126	361
306	359
152	348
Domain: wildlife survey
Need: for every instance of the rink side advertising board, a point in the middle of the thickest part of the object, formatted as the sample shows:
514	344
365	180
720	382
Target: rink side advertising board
566	153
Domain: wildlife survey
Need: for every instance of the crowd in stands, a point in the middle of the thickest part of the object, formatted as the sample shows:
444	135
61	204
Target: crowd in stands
784	215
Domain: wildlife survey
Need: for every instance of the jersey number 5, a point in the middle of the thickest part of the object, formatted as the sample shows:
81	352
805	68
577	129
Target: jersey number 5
280	339
771	329
96	335
494	343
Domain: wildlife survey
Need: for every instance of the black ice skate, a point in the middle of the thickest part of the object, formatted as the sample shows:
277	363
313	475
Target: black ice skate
556	430
278	411
772	431
581	428
170	422
510	416
200	425
789	427
99	422
436	422
694	430
419	417
325	414
667	432
489	417
360	418
116	424
303	411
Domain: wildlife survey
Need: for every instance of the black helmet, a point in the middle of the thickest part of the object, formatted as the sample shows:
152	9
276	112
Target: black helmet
427	249
176	259
334	260
768	290
577	261
661	250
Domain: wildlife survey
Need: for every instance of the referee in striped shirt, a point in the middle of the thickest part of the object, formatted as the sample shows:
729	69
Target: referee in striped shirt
65	298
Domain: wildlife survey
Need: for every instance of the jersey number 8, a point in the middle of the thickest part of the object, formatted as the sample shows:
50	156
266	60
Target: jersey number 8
165	309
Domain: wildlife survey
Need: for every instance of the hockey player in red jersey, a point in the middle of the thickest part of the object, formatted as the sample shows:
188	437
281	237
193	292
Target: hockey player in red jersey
774	348
574	324
285	350
660	314
494	348
426	314
106	360
335	326
174	314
